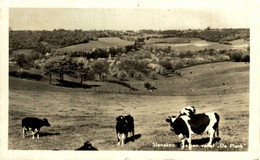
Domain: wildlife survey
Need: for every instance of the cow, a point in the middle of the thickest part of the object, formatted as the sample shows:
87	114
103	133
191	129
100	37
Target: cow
34	124
124	125
189	110
131	126
184	126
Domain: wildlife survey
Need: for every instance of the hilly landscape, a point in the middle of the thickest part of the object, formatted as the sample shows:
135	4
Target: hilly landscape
78	115
81	81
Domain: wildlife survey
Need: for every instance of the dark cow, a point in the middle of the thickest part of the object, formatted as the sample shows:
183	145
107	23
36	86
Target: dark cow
124	125
34	124
131	126
189	110
184	126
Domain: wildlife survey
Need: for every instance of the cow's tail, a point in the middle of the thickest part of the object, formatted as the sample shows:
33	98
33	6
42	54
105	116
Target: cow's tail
216	126
217	132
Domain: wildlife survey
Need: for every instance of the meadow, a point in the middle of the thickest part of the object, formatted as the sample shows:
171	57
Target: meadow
194	44
176	43
100	43
79	115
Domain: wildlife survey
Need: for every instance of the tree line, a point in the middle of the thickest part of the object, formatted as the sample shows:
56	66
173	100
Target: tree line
54	39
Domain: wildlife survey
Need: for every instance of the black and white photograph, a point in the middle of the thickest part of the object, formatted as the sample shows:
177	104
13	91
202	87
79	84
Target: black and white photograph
129	80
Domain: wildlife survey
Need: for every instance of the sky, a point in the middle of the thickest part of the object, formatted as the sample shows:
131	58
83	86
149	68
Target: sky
126	18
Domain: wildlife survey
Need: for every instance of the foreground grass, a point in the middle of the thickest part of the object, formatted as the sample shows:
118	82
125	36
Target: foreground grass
77	117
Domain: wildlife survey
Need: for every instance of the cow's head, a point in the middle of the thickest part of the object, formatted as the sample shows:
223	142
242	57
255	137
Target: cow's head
119	118
171	120
46	123
121	121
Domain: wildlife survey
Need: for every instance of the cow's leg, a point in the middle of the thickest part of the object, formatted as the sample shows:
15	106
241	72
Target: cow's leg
37	132
33	134
182	137
183	143
23	132
133	135
123	139
211	136
118	139
189	143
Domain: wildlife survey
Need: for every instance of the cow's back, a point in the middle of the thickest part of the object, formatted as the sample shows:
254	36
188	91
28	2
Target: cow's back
31	122
199	123
130	121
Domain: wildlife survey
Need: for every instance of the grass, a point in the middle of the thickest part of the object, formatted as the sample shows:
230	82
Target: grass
195	44
78	115
101	43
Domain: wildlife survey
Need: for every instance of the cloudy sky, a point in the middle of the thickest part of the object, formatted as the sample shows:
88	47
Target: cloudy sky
135	18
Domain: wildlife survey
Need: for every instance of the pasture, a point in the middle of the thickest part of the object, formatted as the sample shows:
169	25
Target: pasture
100	43
194	44
79	115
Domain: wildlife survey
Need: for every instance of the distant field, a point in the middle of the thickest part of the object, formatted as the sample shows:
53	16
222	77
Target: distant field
101	43
180	44
79	115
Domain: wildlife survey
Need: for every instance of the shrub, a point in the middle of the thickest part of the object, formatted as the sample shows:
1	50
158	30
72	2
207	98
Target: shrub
164	72
138	76
187	54
147	85
91	75
21	60
153	75
166	63
34	56
236	56
122	75
223	57
182	55
245	58
131	73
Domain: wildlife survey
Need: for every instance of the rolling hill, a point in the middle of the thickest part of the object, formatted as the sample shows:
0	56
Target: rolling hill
100	43
80	115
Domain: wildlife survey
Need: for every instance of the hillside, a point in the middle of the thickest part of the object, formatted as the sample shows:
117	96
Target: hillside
213	78
100	43
194	44
78	116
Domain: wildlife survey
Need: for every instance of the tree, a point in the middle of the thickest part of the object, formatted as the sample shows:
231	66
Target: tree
49	67
63	66
82	68
21	62
100	66
59	65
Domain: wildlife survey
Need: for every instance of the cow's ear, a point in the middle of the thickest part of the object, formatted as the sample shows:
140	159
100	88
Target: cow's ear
118	118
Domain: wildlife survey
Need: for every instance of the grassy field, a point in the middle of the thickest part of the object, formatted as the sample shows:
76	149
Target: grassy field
195	44
78	115
100	43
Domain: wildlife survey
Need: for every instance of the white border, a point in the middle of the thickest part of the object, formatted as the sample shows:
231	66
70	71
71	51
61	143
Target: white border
254	140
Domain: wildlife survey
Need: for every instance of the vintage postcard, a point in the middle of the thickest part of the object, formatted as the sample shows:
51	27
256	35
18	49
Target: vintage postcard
129	80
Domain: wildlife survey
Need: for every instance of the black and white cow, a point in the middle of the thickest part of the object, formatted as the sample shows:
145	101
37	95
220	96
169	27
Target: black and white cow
189	110
34	124
184	126
124	125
